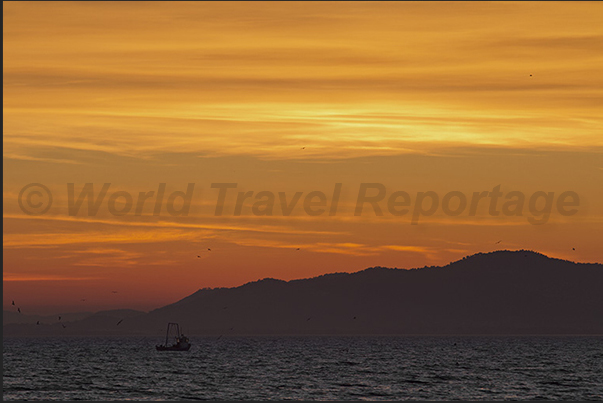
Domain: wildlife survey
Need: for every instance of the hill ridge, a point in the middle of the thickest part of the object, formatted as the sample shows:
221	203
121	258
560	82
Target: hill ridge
501	292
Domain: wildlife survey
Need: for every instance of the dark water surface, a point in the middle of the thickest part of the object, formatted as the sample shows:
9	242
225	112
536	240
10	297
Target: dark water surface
308	368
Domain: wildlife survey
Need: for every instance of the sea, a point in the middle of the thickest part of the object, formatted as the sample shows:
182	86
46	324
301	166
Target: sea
305	368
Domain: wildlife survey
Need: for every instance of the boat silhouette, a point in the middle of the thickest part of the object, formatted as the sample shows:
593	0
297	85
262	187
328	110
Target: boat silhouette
181	341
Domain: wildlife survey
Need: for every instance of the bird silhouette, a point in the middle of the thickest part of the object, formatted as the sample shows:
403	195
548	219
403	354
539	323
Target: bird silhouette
19	310
498	242
297	249
573	248
308	318
121	320
209	249
83	299
530	75
62	324
38	322
303	148
59	318
13	302
198	256
114	292
219	337
354	317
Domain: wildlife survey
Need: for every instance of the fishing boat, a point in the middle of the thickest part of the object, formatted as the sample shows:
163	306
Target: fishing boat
181	341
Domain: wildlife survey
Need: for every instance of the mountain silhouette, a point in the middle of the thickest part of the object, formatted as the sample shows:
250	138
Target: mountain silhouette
14	317
503	292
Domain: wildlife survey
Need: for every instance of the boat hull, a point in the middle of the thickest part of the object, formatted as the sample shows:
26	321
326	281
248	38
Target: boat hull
173	348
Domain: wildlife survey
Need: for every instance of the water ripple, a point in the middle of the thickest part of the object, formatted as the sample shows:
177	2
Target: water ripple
306	368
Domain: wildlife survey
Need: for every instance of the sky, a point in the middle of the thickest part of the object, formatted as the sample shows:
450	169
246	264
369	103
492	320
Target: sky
285	98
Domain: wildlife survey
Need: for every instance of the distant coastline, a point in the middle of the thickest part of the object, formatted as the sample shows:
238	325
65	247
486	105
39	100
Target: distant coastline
498	293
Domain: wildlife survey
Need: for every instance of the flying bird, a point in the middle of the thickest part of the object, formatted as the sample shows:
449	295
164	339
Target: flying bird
83	299
198	256
62	324
297	249
309	318
19	310
209	249
13	302
498	242
530	75
38	322
114	292
219	337
303	148
59	318
121	320
573	248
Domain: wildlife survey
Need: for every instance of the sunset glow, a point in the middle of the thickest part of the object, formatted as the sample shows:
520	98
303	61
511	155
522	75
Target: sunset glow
289	97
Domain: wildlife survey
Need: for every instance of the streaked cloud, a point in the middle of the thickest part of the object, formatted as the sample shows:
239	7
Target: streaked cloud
366	79
292	97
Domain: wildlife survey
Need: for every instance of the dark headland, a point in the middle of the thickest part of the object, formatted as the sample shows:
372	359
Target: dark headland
503	292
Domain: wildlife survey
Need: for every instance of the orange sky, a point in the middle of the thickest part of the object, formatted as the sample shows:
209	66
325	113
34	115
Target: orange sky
289	97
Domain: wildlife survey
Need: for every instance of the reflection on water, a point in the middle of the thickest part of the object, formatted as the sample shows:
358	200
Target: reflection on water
306	368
